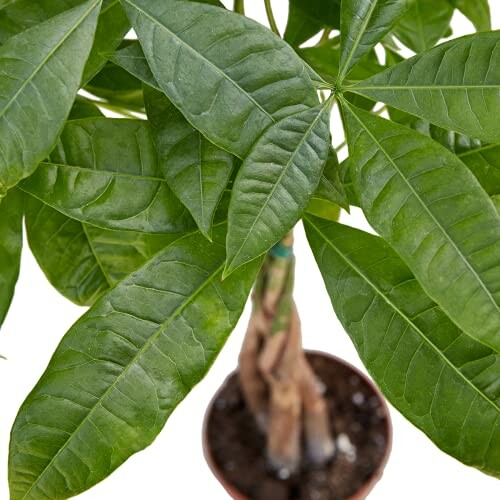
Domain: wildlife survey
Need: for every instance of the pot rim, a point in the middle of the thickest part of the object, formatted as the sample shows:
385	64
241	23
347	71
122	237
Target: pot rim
358	495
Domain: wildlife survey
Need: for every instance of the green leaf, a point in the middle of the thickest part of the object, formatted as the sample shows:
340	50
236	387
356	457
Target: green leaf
455	85
307	17
255	81
275	183
132	59
122	369
118	87
363	24
11	243
431	209
478	11
196	170
42	69
424	24
82	261
96	167
444	382
330	188
112	25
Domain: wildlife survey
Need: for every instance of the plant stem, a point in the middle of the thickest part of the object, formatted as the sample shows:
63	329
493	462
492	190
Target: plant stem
324	37
239	6
270	17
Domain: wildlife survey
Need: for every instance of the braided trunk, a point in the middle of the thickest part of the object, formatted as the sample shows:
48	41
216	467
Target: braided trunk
278	384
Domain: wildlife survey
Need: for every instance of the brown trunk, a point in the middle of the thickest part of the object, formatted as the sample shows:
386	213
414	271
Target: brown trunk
279	386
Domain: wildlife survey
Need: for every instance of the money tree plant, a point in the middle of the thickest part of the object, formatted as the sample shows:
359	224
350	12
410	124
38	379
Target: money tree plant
162	220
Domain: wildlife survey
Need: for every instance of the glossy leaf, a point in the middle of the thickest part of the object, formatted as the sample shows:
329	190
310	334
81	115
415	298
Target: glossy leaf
197	170
424	24
424	201
255	81
96	167
11	242
42	69
83	261
122	369
363	24
439	378
112	25
455	85
308	17
478	11
275	183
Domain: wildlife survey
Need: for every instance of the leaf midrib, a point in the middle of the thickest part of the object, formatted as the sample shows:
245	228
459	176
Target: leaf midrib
356	88
209	279
47	57
402	314
431	215
200	56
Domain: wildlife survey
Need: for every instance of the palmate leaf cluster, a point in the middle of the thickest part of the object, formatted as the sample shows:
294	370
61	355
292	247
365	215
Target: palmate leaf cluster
159	222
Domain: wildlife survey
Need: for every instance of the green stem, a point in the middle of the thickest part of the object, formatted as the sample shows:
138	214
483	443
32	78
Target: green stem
324	37
270	17
239	6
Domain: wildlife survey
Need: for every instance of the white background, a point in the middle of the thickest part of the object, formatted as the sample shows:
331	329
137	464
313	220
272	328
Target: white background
174	467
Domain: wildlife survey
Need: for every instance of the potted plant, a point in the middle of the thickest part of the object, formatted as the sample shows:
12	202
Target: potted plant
162	223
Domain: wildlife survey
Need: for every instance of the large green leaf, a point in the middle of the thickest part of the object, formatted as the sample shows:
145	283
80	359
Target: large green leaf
424	24
11	242
363	24
112	25
253	82
307	17
478	11
123	367
82	261
197	170
455	85
41	71
275	183
424	201
439	378
106	172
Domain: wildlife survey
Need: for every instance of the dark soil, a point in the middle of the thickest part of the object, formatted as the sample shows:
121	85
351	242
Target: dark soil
358	422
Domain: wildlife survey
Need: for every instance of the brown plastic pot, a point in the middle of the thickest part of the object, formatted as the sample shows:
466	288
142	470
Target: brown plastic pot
368	485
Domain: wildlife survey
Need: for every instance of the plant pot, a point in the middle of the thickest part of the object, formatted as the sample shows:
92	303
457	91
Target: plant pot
235	449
